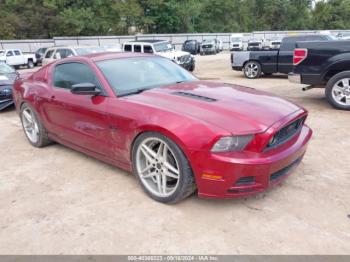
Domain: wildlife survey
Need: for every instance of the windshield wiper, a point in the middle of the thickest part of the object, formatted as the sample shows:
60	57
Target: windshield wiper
133	92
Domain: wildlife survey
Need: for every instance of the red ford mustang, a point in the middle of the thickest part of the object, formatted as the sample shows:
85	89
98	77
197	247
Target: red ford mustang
177	134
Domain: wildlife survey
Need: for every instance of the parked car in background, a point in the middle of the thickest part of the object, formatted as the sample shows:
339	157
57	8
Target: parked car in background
60	52
7	77
39	55
236	42
209	46
176	133
255	44
163	48
344	35
15	57
324	64
191	46
254	63
219	45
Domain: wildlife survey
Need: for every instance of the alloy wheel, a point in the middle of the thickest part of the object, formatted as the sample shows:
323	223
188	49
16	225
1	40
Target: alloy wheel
30	125
341	92
157	167
251	70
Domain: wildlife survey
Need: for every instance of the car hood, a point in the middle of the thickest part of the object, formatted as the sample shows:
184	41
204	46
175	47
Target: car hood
173	54
7	78
237	109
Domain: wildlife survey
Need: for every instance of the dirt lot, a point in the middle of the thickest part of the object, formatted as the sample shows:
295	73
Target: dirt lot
58	201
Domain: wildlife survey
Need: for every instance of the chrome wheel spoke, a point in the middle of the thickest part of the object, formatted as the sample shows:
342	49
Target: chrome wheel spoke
30	125
157	167
341	92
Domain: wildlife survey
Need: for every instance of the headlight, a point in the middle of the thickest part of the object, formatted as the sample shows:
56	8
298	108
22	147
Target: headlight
231	143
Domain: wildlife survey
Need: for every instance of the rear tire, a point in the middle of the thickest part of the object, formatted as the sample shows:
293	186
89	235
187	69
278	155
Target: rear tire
162	168
252	69
30	64
338	91
33	128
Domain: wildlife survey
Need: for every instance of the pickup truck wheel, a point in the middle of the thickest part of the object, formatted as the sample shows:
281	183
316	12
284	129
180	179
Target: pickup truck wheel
338	91
252	69
30	64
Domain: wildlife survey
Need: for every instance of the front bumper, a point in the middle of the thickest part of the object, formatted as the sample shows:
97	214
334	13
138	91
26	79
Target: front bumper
189	64
4	103
247	173
294	78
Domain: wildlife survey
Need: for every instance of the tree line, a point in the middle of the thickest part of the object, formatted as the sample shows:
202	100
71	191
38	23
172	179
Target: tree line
21	19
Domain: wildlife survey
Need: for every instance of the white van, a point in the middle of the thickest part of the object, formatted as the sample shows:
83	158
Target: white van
236	42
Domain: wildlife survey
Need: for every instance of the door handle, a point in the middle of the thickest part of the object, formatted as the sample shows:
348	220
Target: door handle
52	98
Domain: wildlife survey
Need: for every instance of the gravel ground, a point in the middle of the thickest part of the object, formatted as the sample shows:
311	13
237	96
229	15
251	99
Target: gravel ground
58	201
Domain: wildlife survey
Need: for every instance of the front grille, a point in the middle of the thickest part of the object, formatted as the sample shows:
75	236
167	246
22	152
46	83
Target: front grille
275	43
207	46
254	44
245	180
184	59
286	133
235	45
5	92
284	171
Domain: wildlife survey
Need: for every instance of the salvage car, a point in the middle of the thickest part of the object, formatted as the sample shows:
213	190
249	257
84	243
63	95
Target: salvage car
191	46
177	134
255	44
7	77
255	63
60	52
162	48
15	58
39	54
326	65
209	46
236	42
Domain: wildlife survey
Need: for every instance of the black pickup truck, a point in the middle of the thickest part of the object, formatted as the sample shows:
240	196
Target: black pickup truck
254	63
324	64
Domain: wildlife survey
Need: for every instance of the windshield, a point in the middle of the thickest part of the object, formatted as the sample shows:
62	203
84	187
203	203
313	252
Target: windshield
89	50
128	75
163	47
6	69
236	39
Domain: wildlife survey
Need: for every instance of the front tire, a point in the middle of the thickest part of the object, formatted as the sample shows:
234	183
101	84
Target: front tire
162	168
33	128
338	91
252	69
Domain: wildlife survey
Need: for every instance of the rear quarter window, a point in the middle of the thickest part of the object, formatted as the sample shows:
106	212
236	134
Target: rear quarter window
49	53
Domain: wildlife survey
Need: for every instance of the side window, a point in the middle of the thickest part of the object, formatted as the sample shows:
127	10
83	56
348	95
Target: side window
9	53
147	49
61	53
137	48
127	48
69	53
49	54
69	74
17	52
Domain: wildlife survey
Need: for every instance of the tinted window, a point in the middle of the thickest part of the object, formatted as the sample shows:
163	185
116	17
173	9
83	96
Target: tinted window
147	49
17	52
128	74
63	53
9	53
49	53
127	48
70	74
137	48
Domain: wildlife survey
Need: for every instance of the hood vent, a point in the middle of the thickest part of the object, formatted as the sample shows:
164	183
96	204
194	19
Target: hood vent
198	97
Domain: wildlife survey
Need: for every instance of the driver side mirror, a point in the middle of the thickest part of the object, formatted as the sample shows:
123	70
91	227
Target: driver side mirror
85	89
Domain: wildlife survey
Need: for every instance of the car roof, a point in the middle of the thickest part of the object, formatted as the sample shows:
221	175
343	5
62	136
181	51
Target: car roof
114	55
150	41
73	46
